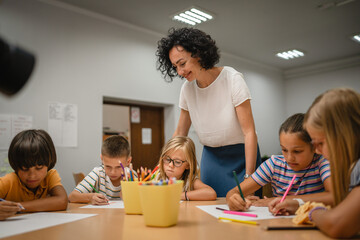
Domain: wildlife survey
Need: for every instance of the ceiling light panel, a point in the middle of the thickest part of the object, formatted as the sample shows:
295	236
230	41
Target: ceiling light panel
193	16
290	54
356	38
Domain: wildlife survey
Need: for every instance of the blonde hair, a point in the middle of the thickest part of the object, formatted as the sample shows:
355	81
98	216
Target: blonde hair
337	114
188	147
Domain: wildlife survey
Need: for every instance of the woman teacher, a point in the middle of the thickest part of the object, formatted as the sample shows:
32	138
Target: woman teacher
216	100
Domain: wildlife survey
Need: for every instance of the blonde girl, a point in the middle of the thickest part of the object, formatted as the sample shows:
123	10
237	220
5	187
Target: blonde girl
333	123
178	159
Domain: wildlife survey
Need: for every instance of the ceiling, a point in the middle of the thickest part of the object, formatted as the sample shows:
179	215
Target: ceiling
254	29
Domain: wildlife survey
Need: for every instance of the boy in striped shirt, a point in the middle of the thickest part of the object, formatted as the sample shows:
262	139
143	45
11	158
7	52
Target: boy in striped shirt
103	182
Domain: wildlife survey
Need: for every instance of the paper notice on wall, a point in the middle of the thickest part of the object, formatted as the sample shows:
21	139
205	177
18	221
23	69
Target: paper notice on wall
146	135
62	124
135	114
10	125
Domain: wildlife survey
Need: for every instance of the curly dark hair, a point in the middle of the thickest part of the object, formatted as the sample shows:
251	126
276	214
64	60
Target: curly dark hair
195	41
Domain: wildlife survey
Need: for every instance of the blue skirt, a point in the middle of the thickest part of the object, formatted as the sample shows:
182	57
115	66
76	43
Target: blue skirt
218	163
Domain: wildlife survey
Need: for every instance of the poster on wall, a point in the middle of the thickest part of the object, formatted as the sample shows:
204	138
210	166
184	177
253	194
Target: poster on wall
146	135
135	114
10	125
62	124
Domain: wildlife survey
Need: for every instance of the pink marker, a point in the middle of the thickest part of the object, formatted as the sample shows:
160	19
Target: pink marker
286	192
289	187
240	213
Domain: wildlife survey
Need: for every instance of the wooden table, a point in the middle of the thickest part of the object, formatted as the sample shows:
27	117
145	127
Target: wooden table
193	223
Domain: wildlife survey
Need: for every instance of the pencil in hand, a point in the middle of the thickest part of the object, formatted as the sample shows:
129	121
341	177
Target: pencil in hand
238	185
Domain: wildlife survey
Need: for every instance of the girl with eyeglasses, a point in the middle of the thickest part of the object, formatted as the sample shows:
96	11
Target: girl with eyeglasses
178	159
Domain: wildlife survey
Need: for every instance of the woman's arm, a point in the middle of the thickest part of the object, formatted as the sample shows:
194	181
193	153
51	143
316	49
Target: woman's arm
233	198
201	192
247	124
183	124
55	202
343	221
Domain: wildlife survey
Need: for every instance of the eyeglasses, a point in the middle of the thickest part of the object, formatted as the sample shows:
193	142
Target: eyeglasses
176	162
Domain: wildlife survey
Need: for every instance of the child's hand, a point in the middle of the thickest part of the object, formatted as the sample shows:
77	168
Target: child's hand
264	202
7	209
287	207
99	199
252	198
236	203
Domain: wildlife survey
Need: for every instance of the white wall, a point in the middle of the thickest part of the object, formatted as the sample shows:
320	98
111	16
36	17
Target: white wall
116	118
301	92
82	57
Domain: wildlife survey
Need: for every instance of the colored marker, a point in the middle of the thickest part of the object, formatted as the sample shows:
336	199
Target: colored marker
239	221
238	184
286	192
240	213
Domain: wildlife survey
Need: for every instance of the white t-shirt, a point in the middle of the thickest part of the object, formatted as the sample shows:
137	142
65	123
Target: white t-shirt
212	109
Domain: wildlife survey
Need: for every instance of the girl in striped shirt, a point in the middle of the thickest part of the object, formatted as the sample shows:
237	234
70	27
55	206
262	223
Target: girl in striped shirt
312	171
333	122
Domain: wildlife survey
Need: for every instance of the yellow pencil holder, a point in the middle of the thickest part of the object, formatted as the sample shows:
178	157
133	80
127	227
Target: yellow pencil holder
131	198
160	204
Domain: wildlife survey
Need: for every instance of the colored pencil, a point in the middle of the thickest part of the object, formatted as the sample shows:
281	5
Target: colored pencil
238	184
20	206
288	189
222	209
94	188
286	192
239	221
240	213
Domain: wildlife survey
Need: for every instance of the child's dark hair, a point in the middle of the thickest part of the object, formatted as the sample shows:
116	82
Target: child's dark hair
31	148
115	146
194	41
294	124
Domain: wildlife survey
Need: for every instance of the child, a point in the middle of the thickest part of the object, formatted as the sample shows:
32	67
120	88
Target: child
103	182
312	170
34	184
333	122
178	160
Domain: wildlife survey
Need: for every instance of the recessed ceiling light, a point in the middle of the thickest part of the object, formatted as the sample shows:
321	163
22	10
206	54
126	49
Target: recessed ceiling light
290	54
192	16
356	38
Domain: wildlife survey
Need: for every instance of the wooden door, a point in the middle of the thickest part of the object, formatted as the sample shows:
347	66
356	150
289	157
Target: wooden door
151	120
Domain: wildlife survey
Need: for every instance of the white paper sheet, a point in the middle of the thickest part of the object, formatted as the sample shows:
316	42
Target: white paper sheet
10	125
112	204
262	212
35	221
62	124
